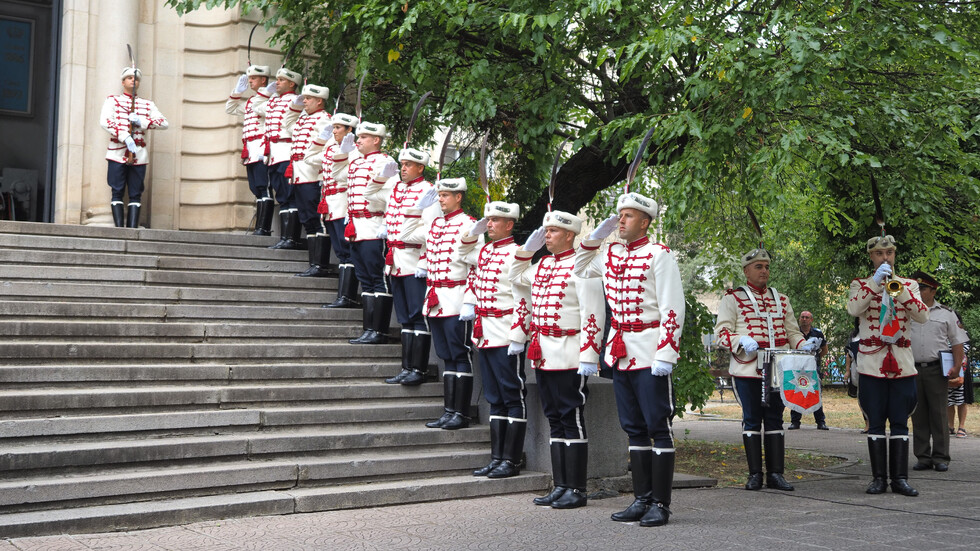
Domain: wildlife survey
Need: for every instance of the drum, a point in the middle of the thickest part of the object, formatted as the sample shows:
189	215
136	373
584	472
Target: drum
793	375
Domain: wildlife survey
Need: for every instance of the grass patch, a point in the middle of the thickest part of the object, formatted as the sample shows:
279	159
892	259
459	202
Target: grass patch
726	462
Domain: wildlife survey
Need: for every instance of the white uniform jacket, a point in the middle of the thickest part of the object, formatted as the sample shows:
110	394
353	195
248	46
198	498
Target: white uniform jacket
448	270
115	119
253	128
567	312
501	309
876	357
333	178
304	153
367	196
642	285
743	314
279	116
406	240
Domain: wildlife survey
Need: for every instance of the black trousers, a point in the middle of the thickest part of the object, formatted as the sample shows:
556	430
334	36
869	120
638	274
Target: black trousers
341	247
503	383
890	400
563	395
123	179
282	191
755	414
305	199
368	258
450	337
646	407
258	179
408	294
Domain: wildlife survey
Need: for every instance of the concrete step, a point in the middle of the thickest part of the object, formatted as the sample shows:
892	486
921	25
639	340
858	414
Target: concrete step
225	372
236	476
97	232
143	331
139	309
131	292
149	397
253	418
127	516
103	451
46	258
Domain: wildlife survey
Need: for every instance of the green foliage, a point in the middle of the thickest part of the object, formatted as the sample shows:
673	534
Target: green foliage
692	382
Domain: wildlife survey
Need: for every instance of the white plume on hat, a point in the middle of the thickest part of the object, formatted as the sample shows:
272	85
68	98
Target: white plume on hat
457	185
316	91
258	71
414	155
502	210
344	119
128	71
639	202
563	220
290	75
371	129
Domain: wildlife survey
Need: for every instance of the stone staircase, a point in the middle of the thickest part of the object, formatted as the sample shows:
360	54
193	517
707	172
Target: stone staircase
154	377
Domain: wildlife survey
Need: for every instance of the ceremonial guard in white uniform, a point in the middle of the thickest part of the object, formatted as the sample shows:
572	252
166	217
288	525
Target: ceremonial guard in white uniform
405	241
567	318
280	112
886	369
127	118
256	78
500	326
368	187
643	289
333	205
751	317
303	173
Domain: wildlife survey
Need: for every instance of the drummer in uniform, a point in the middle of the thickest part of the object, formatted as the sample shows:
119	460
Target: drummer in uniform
751	317
886	368
567	316
256	78
499	312
643	289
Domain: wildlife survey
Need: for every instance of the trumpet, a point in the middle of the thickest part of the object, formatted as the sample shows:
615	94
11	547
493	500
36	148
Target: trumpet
894	287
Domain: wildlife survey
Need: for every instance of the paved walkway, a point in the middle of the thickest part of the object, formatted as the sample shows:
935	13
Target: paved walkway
831	512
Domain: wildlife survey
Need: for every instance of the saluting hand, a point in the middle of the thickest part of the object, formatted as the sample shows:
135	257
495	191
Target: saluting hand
534	241
325	134
427	199
347	144
479	227
270	89
389	170
242	84
605	228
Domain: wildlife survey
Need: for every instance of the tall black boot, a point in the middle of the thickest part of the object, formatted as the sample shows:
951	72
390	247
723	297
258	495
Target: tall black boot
291	232
283	229
381	319
370	304
313	256
557	473
663	480
513	450
753	455
898	466
576	476
346	288
420	359
463	392
408	338
448	400
641	467
775	457
319	247
878	453
498	430
133	215
118	213
264	209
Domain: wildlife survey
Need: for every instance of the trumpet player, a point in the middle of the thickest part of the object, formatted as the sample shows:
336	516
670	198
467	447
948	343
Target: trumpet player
884	305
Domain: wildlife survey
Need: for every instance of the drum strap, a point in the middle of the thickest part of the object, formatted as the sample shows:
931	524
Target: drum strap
767	316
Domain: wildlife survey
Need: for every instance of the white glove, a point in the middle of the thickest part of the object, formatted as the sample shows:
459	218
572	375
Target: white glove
347	144
346	219
748	344
882	273
297	101
421	273
605	228
661	368
534	241
467	312
138	121
261	158
811	344
588	368
515	348
270	89
325	134
242	84
383	232
479	227
130	144
427	199
389	170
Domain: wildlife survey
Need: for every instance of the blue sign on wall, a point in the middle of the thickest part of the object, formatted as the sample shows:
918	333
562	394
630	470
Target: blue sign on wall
16	57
